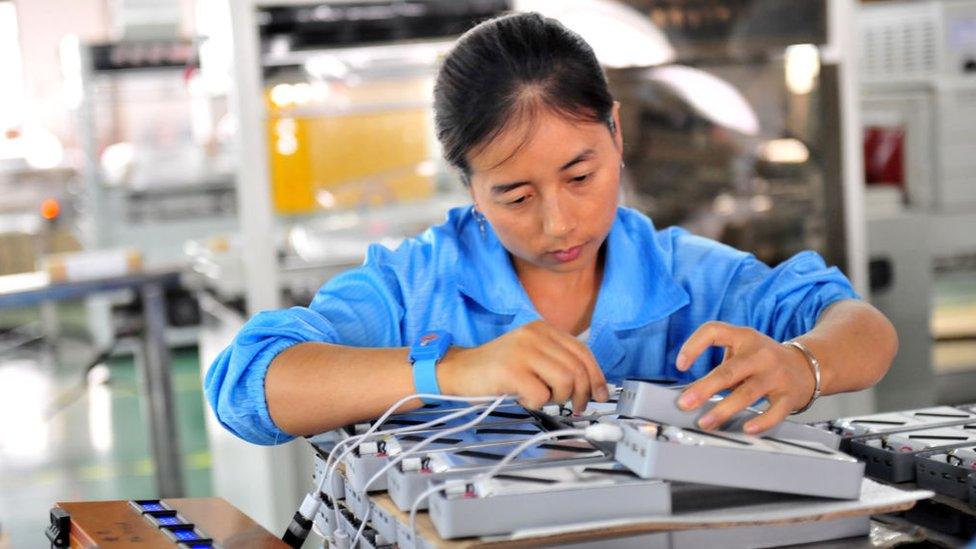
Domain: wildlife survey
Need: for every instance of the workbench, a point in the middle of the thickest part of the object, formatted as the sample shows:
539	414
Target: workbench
36	288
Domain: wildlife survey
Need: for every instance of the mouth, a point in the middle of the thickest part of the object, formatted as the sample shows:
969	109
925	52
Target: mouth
568	254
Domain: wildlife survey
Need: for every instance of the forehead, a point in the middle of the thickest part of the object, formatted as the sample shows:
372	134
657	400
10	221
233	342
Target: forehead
541	139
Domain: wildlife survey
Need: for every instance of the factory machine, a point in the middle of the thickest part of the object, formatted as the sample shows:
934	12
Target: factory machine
156	167
739	137
156	172
918	99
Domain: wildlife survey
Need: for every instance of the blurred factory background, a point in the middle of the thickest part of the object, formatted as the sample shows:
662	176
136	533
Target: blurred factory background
168	168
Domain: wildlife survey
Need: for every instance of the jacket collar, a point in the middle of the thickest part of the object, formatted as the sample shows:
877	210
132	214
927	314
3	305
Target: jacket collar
487	275
637	286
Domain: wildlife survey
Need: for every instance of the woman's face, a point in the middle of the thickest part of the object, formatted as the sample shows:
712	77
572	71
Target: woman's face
553	201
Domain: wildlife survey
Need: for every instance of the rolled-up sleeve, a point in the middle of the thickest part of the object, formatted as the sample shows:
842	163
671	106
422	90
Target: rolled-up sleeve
362	308
786	301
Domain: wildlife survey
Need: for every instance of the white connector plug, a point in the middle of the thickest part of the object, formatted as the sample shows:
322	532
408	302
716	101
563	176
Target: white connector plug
603	432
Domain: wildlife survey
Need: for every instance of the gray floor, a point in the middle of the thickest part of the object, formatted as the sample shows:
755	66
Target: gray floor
95	446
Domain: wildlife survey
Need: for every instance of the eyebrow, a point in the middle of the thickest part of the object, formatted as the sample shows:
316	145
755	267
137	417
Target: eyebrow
503	188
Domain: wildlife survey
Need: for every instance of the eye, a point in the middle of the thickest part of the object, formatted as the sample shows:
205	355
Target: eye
517	201
581	178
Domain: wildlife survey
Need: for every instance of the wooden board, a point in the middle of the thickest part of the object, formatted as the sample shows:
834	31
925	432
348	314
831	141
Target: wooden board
116	525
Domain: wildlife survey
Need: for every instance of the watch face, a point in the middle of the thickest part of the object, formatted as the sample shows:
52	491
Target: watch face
432	345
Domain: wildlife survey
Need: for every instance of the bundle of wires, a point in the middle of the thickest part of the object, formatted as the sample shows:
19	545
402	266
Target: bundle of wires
418	447
301	524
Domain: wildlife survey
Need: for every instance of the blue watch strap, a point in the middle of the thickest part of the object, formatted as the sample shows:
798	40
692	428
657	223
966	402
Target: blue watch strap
429	348
425	378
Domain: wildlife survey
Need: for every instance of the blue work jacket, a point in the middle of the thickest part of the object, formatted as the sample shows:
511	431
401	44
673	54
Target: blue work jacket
658	287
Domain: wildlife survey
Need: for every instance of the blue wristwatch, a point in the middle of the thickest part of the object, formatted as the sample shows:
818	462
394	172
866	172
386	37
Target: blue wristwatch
425	353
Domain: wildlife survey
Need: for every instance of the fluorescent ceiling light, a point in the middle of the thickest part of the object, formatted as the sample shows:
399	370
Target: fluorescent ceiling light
708	95
620	36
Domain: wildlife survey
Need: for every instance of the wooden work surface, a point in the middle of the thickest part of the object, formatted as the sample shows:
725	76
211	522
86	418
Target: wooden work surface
115	524
426	530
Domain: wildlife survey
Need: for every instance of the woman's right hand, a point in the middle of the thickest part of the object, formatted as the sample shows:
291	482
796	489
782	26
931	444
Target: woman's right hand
536	362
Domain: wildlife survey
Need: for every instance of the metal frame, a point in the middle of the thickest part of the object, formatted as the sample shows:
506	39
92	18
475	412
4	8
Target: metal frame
154	367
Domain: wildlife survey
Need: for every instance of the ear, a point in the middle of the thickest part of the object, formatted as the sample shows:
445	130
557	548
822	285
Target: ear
618	137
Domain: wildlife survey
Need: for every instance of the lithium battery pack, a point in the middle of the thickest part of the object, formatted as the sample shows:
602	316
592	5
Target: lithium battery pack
656	402
946	471
411	477
371	539
654	450
379	519
325	517
891	456
337	490
371	456
549	496
893	422
405	538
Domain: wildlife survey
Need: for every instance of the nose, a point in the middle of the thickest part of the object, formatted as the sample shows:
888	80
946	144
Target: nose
558	219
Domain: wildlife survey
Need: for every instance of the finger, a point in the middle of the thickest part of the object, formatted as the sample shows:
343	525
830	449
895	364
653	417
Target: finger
580	390
533	392
554	366
709	334
777	412
728	353
724	376
745	394
597	383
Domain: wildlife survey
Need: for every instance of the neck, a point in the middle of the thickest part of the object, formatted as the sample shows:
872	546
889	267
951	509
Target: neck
565	300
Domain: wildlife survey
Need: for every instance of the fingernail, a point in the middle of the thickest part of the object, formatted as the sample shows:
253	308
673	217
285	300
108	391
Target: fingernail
707	421
681	361
750	429
686	400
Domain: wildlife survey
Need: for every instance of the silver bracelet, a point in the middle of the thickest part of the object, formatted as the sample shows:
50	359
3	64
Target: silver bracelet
814	365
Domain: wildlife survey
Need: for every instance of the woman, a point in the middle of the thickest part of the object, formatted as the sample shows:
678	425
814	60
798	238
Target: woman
545	287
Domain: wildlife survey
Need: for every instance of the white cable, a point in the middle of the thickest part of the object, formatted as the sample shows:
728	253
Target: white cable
601	432
330	466
528	442
358	439
416	448
391	410
330	471
416	506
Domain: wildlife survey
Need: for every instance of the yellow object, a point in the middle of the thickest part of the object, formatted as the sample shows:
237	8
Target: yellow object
374	150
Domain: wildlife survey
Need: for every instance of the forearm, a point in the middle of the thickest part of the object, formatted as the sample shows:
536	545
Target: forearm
315	387
855	345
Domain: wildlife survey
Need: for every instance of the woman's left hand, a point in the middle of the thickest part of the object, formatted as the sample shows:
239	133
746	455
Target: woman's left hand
754	366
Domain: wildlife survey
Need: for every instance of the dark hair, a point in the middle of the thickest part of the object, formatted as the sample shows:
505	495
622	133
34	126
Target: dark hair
509	67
